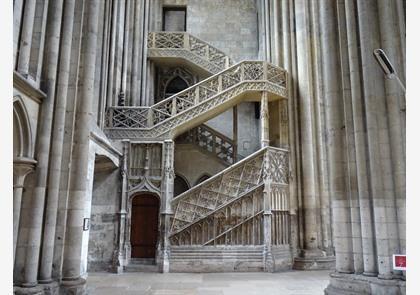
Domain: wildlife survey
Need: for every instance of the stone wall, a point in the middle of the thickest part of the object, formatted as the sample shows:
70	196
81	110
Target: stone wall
230	26
104	222
191	163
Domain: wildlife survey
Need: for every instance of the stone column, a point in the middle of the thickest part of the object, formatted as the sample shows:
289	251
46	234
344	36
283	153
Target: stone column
307	145
145	63
26	37
43	145
135	96
21	168
289	64
167	193
17	19
277	18
378	138
119	257
72	260
47	252
366	219
264	119
266	17
334	127
123	86
395	110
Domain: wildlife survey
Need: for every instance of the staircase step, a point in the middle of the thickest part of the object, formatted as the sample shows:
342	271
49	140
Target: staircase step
141	268
144	261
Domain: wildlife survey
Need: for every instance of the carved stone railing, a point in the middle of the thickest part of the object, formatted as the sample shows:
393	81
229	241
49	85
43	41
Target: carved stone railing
231	203
212	141
197	103
186	46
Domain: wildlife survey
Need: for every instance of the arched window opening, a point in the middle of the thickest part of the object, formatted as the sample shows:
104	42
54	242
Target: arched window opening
202	179
180	185
174	86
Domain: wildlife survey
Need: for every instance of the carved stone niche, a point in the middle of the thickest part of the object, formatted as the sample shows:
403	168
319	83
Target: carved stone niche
177	78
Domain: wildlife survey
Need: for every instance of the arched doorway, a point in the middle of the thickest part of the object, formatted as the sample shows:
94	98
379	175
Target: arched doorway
180	185
144	226
177	84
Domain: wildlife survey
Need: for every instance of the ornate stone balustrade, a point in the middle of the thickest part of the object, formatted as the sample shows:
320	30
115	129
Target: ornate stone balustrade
197	102
186	46
211	141
227	209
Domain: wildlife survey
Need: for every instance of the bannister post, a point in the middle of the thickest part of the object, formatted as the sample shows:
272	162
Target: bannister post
242	71
235	133
187	41
119	257
153	40
268	257
167	196
150	117
197	95
264	117
265	70
220	83
173	111
226	62
110	116
207	52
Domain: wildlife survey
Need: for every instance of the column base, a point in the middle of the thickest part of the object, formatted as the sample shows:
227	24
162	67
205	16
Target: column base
34	290
314	260
73	287
352	284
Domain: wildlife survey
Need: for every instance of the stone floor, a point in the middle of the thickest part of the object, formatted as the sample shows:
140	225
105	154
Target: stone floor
291	282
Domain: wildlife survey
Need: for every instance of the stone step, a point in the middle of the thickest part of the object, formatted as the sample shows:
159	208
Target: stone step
141	268
144	261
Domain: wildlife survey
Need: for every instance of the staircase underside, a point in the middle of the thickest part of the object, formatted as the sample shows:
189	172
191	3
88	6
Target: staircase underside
206	110
183	57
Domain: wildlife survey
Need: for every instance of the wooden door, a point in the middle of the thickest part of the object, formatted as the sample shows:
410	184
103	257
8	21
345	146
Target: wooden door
144	226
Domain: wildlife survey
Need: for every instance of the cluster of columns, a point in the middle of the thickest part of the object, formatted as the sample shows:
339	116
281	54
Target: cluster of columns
347	128
36	209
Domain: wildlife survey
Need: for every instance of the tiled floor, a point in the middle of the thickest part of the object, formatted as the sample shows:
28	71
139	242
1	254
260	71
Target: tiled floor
283	283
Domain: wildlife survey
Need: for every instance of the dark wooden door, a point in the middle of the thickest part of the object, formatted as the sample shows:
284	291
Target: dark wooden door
144	226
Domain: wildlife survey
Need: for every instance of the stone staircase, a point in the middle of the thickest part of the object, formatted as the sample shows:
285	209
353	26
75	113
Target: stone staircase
220	259
200	102
141	265
221	223
181	45
211	142
222	208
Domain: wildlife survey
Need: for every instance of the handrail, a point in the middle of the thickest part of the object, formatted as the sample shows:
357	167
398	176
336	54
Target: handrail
163	40
206	90
214	142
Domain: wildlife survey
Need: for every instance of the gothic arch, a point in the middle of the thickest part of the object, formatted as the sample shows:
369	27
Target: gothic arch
22	134
202	178
175	85
166	75
181	184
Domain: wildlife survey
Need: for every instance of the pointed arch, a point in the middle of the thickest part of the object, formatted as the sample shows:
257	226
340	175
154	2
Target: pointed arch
22	133
202	178
181	184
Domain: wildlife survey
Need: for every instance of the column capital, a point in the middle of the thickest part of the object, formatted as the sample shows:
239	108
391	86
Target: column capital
22	166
